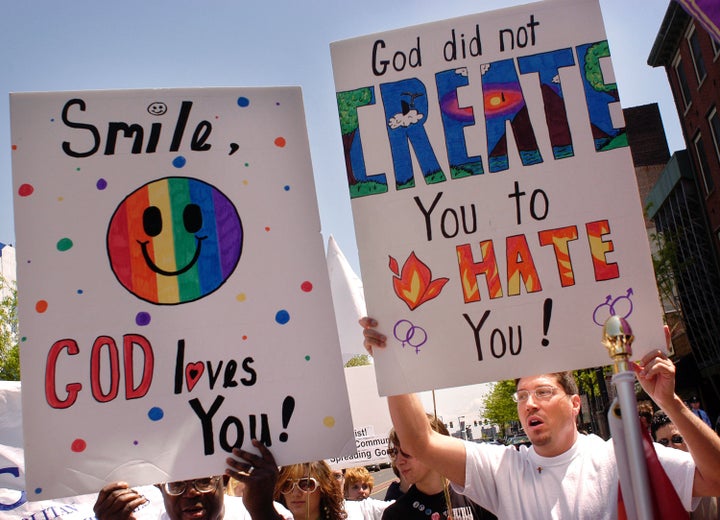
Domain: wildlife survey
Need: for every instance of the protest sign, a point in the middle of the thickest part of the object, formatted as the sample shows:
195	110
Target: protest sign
495	204
371	419
174	300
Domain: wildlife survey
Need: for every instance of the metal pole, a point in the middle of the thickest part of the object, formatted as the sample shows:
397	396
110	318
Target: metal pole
618	338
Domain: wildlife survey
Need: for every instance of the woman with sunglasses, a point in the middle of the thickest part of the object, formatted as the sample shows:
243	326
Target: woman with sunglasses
311	492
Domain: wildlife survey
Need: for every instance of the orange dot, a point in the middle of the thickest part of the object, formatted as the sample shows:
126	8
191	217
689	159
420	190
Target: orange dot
244	337
78	445
14	147
41	306
267	228
280	142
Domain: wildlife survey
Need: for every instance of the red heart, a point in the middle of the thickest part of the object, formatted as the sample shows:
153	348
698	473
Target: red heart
193	373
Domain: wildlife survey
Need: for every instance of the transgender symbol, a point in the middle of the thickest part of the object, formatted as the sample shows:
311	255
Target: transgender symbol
622	306
174	240
408	334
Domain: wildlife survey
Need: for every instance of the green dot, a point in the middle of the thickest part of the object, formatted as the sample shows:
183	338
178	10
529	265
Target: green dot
64	244
307	358
247	164
24	338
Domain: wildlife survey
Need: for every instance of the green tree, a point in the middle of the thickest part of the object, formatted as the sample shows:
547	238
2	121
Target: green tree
9	347
358	361
348	103
500	408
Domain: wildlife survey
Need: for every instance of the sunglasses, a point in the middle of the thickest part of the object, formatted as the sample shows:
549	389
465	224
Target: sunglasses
201	485
394	452
675	439
306	485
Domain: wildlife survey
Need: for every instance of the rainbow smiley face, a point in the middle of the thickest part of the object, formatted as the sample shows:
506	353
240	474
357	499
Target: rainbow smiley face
174	240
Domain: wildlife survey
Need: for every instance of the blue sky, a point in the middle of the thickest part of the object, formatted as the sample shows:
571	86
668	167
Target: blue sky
47	45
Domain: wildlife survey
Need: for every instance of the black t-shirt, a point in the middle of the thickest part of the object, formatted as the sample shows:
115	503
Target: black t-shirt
393	491
417	505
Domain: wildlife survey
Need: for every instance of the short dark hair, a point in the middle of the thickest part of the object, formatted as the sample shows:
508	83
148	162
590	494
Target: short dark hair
659	420
565	379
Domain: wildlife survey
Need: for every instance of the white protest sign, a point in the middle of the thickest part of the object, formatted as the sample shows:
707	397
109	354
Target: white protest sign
174	293
371	419
495	204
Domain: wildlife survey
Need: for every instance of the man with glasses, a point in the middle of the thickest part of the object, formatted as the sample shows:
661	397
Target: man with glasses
202	498
563	474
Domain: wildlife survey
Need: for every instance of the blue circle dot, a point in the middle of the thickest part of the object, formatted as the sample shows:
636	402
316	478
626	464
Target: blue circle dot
101	184
80	291
155	413
286	188
142	318
38	491
243	102
282	317
179	161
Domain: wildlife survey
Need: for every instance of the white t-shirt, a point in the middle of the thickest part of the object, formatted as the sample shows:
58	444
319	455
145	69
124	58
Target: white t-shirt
581	483
368	509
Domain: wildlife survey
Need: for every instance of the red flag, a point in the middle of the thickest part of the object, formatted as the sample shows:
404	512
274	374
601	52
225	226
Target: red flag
665	500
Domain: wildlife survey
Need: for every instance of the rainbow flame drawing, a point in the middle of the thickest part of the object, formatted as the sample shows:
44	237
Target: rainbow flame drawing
174	240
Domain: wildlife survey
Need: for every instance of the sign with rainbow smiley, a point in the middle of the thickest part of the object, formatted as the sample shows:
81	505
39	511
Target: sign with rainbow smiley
174	240
175	300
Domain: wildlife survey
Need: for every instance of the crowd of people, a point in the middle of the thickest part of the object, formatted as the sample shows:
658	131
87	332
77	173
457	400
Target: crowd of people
562	474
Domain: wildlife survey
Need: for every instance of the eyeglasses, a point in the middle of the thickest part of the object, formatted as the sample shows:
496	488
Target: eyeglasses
541	393
394	452
201	485
675	439
306	485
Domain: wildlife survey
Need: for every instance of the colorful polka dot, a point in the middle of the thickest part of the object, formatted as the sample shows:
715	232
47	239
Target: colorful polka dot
244	338
142	318
78	445
329	421
286	187
307	358
38	490
241	297
77	169
80	291
247	165
306	286
243	102
25	190
64	244
135	443
245	182
155	413
14	147
267	228
282	317
101	184
280	142
179	161
41	306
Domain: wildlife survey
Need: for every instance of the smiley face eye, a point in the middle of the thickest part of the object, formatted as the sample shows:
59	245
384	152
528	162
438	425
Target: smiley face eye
192	218
152	221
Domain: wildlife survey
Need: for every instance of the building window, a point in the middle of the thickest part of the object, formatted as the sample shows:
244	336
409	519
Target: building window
714	122
705	173
696	54
682	81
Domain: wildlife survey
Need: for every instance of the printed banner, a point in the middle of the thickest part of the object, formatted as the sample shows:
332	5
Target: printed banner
495	203
175	300
371	419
